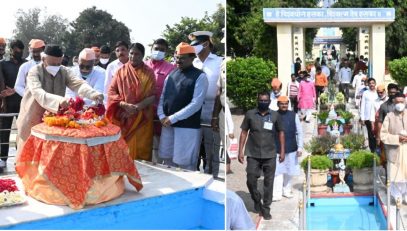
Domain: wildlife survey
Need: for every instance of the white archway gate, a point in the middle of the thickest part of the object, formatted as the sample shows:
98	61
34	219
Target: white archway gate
290	23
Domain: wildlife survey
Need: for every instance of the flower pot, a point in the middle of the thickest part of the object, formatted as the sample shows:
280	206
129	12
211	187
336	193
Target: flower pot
347	128
322	129
319	178
363	180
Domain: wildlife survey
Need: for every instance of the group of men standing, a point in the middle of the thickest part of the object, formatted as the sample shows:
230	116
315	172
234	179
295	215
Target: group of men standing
182	95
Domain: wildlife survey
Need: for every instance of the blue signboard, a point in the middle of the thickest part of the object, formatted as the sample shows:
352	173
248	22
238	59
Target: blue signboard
327	14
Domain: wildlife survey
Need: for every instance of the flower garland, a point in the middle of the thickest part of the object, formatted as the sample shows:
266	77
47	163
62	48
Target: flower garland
9	193
76	115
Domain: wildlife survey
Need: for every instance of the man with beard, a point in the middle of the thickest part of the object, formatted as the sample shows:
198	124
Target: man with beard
2	48
10	100
36	47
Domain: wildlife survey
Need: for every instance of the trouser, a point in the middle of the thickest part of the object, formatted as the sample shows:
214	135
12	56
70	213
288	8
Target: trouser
344	88
294	103
6	123
371	136
156	144
211	141
307	114
253	169
282	185
319	90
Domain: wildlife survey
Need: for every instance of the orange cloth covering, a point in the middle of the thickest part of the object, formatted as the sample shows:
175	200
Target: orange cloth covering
133	85
75	174
321	80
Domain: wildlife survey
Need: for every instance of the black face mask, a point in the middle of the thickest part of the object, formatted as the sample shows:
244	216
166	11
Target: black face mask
263	106
18	55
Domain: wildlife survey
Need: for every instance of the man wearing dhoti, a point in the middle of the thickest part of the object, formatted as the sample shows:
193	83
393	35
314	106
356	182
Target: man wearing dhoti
46	85
394	136
179	111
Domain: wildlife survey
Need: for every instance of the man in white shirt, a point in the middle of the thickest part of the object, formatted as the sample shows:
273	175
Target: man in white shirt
211	65
345	76
36	47
122	54
367	111
86	70
325	69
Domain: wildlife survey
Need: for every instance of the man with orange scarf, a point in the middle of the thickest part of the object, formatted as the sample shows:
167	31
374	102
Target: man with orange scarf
129	105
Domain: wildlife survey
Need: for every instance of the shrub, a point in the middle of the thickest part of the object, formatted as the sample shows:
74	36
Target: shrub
361	159
323	98
398	70
339	97
346	115
317	162
322	116
353	141
320	145
340	107
246	77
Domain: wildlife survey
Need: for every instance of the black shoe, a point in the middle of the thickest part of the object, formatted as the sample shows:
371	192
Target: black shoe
267	216
257	207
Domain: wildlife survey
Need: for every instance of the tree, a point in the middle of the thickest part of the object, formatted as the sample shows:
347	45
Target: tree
179	32
94	27
248	35
396	38
30	25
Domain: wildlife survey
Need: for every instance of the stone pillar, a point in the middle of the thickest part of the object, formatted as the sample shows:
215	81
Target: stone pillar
285	54
364	42
378	52
299	44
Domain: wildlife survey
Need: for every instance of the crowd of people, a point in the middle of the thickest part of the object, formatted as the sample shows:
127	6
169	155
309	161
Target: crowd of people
161	107
278	117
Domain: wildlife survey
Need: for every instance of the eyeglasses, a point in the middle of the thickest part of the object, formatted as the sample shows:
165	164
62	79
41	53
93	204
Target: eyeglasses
85	67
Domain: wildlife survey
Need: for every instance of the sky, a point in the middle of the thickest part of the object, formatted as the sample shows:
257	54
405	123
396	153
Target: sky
145	18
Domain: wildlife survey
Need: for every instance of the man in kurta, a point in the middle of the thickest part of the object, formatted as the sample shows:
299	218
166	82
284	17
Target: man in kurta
394	136
161	69
46	85
130	103
179	111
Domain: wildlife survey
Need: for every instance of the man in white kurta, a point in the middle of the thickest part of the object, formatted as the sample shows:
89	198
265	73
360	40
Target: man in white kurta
367	111
46	85
294	143
179	111
36	47
394	136
93	75
122	54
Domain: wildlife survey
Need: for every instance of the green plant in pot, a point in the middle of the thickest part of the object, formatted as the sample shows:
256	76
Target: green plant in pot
339	97
320	166
361	163
353	142
340	107
347	116
320	145
322	117
323	98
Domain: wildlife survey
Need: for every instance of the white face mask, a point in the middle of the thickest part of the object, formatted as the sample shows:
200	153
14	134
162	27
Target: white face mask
307	79
198	48
157	55
400	107
53	70
75	64
103	61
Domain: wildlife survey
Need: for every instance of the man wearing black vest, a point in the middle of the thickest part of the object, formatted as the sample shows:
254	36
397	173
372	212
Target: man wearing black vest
261	127
293	149
179	111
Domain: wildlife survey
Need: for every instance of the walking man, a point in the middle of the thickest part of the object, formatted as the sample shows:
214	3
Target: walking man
261	127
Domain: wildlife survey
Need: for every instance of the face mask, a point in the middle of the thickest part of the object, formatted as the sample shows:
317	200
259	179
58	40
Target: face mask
277	93
263	106
157	55
308	79
198	48
84	76
103	61
53	70
75	64
400	107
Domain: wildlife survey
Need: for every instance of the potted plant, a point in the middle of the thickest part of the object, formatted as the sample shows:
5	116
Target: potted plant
361	163
322	117
353	142
340	107
347	116
323	99
320	145
320	165
339	97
